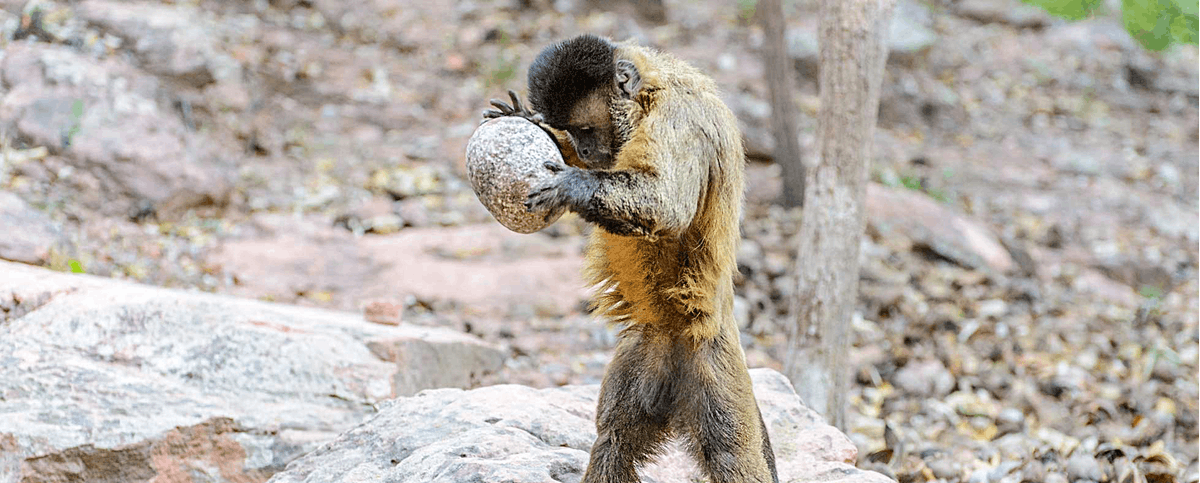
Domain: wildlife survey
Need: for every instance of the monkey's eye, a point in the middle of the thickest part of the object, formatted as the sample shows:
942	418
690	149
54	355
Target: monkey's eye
585	129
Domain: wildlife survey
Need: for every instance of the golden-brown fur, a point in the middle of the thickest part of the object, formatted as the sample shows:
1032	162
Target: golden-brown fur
670	278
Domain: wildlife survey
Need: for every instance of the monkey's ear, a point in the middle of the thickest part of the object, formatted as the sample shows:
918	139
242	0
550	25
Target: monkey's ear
629	82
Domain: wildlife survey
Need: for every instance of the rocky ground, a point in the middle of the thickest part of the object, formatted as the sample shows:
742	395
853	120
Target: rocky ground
515	433
107	380
1029	275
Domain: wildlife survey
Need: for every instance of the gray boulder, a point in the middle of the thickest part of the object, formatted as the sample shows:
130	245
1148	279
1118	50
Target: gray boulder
109	381
519	434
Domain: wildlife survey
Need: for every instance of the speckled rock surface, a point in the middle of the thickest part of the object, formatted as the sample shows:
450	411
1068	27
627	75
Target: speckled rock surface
519	434
504	159
102	380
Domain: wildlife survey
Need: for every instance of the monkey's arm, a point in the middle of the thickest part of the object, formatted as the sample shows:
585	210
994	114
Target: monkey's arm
560	138
629	202
663	173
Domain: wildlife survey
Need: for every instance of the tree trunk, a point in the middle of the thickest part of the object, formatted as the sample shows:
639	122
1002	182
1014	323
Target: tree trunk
783	111
853	53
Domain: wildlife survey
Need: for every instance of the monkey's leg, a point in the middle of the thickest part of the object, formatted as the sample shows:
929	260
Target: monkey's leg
720	416
632	414
767	452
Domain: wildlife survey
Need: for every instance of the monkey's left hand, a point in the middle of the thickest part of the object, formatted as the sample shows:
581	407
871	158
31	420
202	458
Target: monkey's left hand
502	109
570	187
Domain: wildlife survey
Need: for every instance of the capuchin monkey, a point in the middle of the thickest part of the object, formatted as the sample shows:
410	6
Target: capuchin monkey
654	159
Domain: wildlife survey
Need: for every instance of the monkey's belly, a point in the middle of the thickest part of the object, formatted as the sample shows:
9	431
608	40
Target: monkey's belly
505	157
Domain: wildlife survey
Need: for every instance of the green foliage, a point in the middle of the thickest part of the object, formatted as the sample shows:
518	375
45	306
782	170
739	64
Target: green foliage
77	116
503	68
911	182
1155	24
746	9
76	266
1068	9
502	71
1151	292
915	183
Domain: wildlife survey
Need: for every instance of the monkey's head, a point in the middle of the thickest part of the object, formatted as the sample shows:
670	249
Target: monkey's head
574	84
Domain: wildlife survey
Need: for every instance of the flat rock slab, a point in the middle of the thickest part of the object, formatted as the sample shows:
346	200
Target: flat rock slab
518	434
102	380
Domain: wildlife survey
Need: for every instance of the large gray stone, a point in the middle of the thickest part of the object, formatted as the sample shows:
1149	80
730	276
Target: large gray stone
505	159
109	381
518	434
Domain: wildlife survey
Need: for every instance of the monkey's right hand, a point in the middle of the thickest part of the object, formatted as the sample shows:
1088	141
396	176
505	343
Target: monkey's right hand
502	109
571	188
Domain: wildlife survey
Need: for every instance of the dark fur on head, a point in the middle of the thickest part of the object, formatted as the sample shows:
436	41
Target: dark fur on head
566	72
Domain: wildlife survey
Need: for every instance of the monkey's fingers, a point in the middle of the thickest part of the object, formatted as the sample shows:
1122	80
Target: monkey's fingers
536	193
492	114
516	101
537	198
502	106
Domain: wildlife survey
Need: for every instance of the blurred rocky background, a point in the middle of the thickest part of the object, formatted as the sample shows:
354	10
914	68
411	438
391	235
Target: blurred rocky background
1029	283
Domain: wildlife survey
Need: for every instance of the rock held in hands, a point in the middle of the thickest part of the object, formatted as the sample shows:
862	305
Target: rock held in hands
505	158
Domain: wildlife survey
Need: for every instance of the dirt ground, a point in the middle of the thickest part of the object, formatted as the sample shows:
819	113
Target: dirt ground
311	152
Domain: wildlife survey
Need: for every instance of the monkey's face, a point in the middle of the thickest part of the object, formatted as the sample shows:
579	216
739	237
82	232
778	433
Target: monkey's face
591	130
